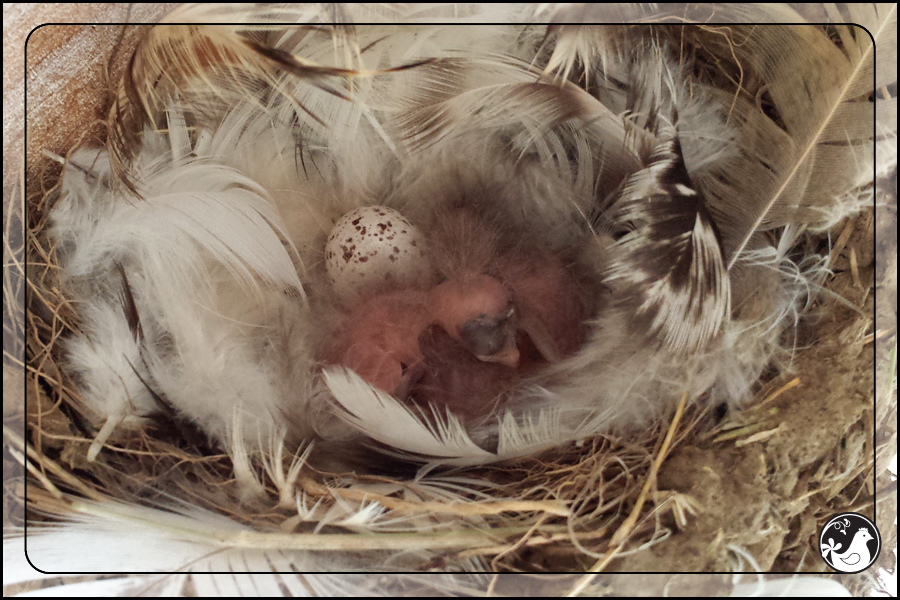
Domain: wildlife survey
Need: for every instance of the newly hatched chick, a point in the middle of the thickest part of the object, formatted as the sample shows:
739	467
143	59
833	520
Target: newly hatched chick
544	324
379	336
550	303
463	343
477	310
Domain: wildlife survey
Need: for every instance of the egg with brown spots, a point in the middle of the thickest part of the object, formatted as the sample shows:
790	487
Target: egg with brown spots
375	247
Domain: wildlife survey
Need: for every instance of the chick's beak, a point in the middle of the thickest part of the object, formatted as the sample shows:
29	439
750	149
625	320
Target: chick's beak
508	355
492	339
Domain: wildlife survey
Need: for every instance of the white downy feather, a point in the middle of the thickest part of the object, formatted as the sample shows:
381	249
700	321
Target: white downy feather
383	418
108	362
216	286
190	549
440	439
797	586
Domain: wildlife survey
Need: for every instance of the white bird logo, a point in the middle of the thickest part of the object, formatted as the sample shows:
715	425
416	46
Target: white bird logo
857	554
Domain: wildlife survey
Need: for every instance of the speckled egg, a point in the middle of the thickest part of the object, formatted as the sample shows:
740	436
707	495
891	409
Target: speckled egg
374	247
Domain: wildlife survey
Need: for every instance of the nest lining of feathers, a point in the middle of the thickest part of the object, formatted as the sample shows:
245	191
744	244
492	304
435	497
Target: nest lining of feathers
714	483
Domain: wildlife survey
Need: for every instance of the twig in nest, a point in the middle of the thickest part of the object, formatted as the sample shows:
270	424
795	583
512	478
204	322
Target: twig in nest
621	535
460	509
854	268
46	464
841	241
735	431
790	384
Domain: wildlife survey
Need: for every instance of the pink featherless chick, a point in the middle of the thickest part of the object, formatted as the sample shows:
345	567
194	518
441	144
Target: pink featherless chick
379	337
548	305
495	330
466	341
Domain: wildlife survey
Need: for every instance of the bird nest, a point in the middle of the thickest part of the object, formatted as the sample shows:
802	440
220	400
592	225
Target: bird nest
706	488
